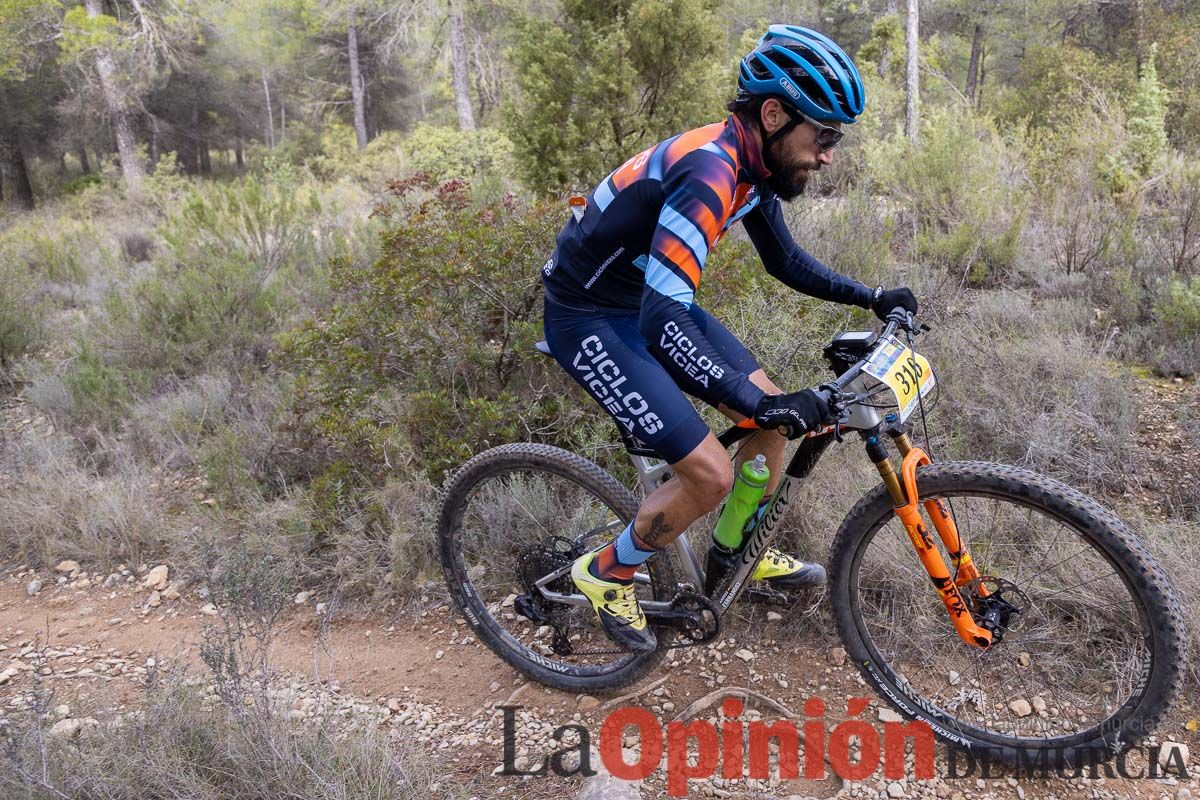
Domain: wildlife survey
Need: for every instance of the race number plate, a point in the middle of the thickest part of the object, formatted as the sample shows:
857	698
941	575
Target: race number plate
904	371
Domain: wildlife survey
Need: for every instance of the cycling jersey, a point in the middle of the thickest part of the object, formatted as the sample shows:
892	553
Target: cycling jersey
645	234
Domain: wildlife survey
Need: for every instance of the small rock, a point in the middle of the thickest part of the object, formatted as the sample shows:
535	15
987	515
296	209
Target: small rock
156	578
62	711
894	789
208	610
1039	705
171	593
774	616
302	598
1183	793
439	654
744	655
67	567
154	600
70	728
888	715
494	686
837	656
1023	659
1167	758
587	703
33	587
954	678
1020	707
112	580
320	608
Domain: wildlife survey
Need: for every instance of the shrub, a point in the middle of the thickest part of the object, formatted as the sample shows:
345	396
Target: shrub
1178	308
1175	217
427	345
1024	384
444	152
963	187
21	317
55	509
81	182
136	246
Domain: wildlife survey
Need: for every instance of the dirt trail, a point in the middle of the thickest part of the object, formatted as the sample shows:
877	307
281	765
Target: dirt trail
428	680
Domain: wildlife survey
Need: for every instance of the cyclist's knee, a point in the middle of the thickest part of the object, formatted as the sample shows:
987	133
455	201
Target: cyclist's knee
706	473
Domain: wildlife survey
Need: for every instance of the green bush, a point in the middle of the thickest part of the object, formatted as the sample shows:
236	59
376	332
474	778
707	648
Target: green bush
21	316
963	186
181	317
1178	308
445	152
429	346
82	182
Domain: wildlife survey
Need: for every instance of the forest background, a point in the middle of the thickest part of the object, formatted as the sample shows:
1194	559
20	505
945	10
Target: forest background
269	268
272	266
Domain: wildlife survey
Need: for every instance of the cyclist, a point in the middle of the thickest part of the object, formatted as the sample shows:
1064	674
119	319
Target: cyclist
621	316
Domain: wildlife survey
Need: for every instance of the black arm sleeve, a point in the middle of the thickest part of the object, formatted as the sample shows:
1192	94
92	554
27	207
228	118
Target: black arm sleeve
787	261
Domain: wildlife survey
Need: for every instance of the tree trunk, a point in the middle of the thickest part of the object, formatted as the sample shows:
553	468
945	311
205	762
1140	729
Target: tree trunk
154	143
270	112
114	98
911	79
18	172
282	122
982	76
81	151
356	89
973	64
205	157
459	68
237	152
14	157
188	143
1139	26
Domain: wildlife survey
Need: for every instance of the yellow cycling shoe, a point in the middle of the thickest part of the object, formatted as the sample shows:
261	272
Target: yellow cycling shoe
617	607
785	572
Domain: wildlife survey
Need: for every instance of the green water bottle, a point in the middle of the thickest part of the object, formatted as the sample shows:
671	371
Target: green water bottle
748	488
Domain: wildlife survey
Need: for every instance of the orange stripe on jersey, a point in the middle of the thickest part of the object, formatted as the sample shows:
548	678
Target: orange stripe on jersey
633	169
689	141
703	218
681	256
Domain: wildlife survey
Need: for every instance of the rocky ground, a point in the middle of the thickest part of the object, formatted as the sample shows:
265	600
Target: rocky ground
424	678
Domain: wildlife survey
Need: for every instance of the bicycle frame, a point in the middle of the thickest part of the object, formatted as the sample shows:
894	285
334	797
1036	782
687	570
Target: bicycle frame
653	472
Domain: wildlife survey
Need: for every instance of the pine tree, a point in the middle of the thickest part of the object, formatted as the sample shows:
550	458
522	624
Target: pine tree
1147	122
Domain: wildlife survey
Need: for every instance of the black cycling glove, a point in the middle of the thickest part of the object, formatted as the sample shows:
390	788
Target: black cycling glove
798	412
884	301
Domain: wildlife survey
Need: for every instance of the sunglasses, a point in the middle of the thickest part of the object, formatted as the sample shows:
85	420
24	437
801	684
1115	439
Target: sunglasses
827	137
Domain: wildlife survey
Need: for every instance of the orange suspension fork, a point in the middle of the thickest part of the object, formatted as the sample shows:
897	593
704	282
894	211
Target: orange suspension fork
904	493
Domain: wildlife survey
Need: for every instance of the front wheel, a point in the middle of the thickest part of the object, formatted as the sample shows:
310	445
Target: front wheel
1090	650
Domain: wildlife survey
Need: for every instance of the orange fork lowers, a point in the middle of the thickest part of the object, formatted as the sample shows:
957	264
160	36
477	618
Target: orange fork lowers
931	559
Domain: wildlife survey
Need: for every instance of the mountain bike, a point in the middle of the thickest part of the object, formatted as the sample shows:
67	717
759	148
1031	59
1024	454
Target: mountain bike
1021	616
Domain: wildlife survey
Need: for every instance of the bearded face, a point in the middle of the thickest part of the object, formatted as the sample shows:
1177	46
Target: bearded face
789	173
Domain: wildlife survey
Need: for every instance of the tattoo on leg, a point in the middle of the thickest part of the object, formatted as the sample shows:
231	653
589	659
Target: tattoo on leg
659	533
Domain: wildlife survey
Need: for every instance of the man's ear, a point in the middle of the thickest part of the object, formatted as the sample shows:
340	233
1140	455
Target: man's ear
771	116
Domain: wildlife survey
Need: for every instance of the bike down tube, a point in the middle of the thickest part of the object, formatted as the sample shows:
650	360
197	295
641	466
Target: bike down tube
762	534
931	559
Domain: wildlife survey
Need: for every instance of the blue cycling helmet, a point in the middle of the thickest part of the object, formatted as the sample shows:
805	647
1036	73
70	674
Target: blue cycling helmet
806	70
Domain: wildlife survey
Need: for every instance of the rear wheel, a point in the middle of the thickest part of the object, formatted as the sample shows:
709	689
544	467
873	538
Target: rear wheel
1091	634
513	515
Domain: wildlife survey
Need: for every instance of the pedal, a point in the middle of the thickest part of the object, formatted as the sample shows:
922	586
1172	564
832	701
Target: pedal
771	597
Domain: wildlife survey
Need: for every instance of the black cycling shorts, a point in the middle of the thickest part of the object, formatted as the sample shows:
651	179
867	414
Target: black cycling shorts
638	382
